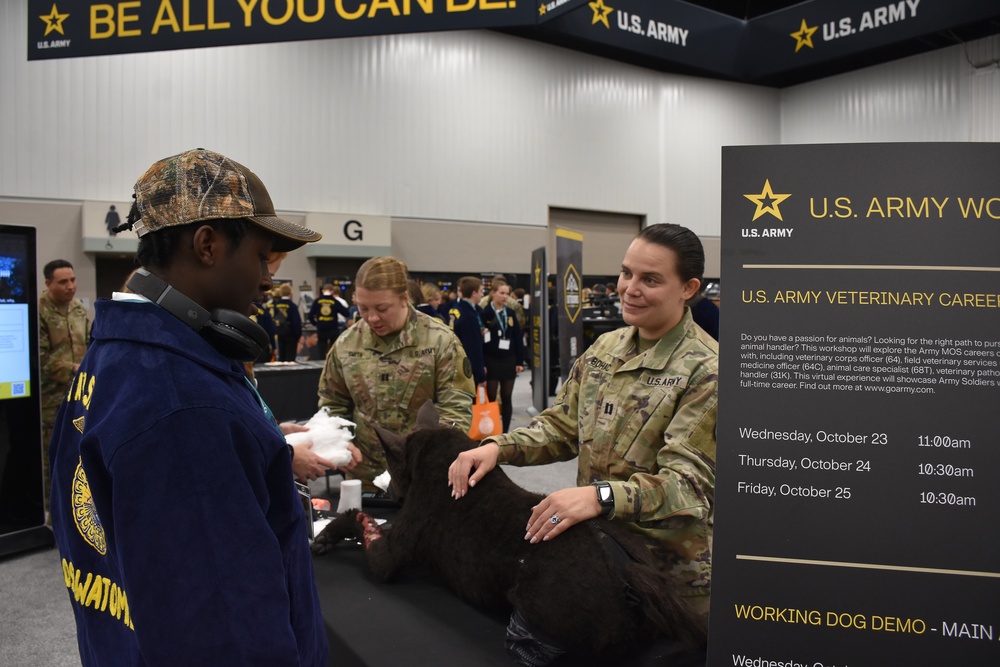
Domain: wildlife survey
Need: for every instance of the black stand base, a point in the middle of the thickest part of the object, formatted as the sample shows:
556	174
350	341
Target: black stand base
23	540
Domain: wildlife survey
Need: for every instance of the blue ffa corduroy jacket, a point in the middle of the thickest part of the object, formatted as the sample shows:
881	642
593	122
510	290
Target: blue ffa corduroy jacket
182	536
467	325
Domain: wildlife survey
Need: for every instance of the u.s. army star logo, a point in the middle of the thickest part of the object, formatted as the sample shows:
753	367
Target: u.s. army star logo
767	201
804	36
601	12
85	514
54	21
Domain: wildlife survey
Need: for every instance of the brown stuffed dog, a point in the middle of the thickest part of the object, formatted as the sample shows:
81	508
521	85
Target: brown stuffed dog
593	589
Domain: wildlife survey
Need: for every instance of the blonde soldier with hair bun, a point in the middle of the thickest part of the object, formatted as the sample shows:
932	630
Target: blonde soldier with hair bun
383	369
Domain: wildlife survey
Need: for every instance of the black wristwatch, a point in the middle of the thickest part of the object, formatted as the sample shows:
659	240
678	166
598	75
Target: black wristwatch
605	497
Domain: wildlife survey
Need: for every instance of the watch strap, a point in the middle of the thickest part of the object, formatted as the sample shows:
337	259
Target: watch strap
605	496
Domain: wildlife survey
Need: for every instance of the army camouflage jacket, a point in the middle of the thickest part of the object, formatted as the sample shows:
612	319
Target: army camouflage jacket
645	423
63	334
369	381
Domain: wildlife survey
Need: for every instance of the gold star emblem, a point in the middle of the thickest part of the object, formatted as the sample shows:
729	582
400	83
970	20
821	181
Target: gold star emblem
53	22
541	10
767	195
78	423
804	37
601	12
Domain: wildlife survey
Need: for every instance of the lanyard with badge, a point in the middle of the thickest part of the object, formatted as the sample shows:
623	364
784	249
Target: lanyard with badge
504	342
305	494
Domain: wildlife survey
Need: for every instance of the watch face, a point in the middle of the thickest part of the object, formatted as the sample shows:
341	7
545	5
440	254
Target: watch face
605	493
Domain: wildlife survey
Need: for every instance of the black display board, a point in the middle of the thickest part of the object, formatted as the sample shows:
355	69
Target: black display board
569	297
22	512
857	493
538	311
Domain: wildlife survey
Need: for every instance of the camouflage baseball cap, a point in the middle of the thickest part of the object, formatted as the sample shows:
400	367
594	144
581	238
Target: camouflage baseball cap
201	185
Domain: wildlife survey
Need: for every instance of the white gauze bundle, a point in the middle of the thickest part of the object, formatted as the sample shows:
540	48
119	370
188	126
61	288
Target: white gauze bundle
329	435
382	481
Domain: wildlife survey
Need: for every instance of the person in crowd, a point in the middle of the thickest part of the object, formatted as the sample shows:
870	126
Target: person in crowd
415	295
169	471
523	320
325	315
352	310
488	294
639	412
63	335
516	301
262	316
465	319
599	296
310	348
431	296
383	369
447	302
503	350
287	323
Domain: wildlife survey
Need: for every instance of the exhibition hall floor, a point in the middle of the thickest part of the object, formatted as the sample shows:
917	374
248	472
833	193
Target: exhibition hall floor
36	620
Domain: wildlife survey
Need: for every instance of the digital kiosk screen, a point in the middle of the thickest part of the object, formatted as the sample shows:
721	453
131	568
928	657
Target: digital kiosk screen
15	320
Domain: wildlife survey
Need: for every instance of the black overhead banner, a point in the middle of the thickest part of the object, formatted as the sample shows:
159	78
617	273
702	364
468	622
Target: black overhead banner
826	30
70	28
667	29
773	49
550	9
856	491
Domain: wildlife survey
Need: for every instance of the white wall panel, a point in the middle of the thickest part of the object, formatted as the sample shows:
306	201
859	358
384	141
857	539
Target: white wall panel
937	96
983	57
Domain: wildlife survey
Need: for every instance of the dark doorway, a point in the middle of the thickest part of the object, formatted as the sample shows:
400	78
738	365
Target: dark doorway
112	270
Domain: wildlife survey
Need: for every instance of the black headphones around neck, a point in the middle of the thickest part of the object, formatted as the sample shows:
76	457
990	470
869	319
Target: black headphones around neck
231	333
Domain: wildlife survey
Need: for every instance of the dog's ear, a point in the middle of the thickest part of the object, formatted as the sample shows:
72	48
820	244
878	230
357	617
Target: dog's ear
427	415
393	443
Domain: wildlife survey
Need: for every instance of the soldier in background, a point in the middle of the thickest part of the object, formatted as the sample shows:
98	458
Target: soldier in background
384	368
63	334
638	410
516	303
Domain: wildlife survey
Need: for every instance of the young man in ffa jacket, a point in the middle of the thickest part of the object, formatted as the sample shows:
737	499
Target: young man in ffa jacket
466	321
182	538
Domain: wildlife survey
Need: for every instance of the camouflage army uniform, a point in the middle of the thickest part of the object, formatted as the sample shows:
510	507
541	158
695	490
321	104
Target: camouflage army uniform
519	313
369	381
63	333
646	424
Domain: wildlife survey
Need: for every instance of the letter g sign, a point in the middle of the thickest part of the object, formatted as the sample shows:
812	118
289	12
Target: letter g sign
353	230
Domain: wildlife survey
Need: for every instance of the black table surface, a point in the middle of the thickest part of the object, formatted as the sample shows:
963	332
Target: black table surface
290	391
416	620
